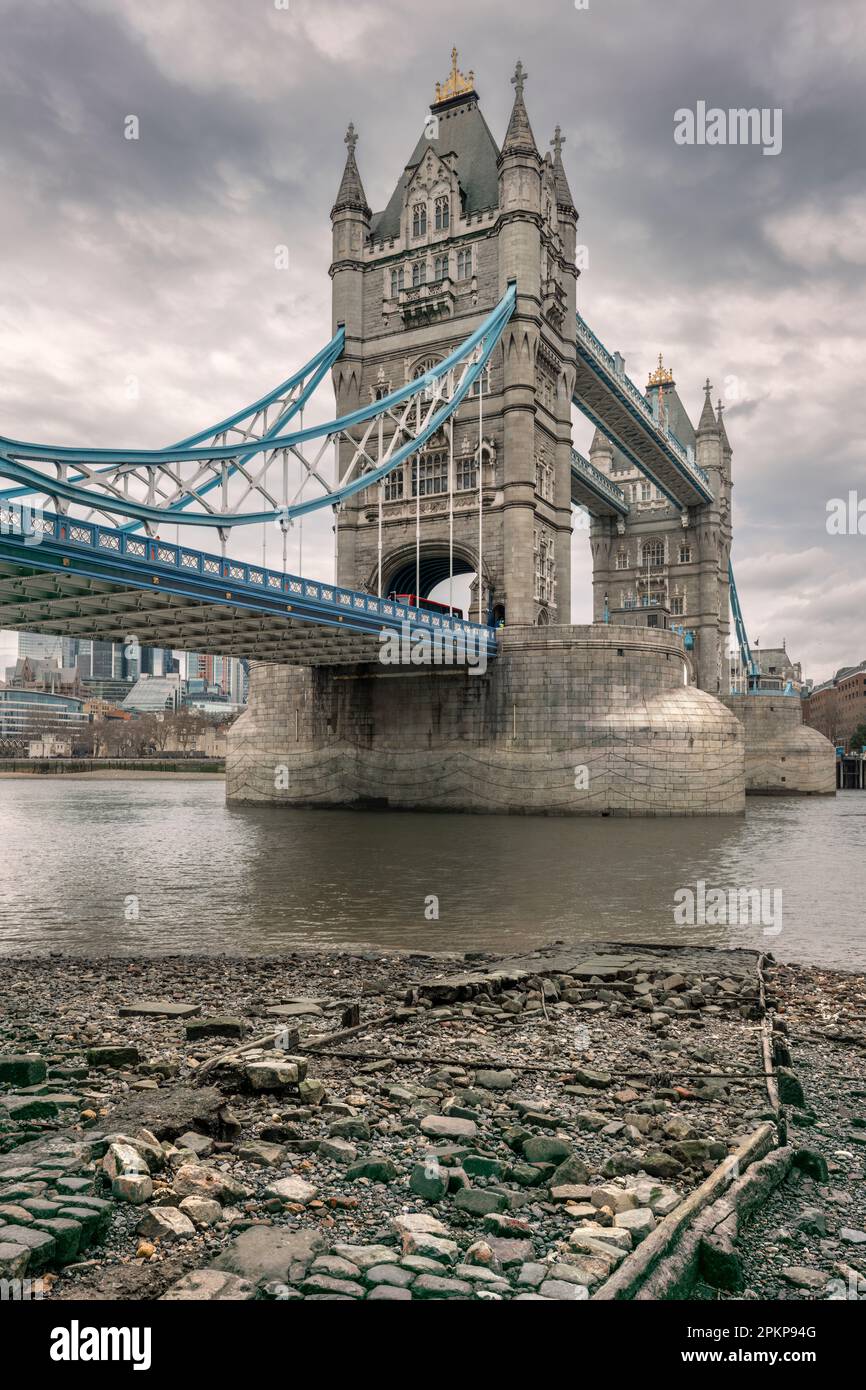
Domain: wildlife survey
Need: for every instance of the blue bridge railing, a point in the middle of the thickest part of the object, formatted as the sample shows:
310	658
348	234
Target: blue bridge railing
57	543
597	479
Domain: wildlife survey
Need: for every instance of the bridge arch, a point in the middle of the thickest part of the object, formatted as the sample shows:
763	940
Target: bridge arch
403	574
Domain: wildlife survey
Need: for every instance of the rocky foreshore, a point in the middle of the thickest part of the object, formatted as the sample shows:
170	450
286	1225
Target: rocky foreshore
329	1125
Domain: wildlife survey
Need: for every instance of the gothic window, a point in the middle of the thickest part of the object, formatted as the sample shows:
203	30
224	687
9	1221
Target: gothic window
483	378
394	486
467	472
645	492
464	265
653	553
419	274
544	480
678	604
396	282
545	391
545	569
419	219
430	474
685	554
440	268
443	214
622	560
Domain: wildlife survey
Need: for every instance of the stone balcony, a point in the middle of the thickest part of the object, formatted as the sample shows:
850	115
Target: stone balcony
422	303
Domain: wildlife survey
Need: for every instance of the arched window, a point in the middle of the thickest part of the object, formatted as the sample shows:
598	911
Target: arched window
419	274
622	560
419	219
545	567
440	268
396	282
653	553
443	214
544	476
423	366
394	486
430	474
482	379
464	265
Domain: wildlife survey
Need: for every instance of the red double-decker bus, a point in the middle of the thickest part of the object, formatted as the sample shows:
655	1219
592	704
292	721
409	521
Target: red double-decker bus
431	604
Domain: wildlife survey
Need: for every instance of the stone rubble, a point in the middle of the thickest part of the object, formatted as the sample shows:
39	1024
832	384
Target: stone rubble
515	1131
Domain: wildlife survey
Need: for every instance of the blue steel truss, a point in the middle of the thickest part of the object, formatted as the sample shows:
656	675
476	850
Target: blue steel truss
750	665
288	398
413	413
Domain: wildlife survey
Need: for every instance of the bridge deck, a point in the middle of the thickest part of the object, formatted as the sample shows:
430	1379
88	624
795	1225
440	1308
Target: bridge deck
592	489
614	404
79	579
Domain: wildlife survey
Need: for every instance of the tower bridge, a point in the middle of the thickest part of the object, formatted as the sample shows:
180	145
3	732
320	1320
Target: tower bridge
456	357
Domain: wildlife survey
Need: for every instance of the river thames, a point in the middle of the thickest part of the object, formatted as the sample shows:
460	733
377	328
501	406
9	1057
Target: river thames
163	865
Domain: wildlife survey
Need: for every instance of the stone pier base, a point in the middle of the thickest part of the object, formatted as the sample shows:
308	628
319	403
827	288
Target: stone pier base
784	756
590	720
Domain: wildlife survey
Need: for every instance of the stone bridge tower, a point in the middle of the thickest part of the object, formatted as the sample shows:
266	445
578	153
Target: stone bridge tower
566	720
673	561
410	283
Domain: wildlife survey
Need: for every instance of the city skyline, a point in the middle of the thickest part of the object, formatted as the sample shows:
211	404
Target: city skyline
741	267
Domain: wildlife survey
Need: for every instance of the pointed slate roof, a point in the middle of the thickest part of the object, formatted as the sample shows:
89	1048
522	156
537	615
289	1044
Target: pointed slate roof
563	192
723	433
462	132
519	138
351	191
707	422
676	416
600	441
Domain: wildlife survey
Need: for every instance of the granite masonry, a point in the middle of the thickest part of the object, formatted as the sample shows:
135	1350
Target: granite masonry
784	756
594	720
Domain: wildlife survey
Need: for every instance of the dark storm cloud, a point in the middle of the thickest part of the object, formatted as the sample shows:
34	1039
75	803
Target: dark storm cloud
153	261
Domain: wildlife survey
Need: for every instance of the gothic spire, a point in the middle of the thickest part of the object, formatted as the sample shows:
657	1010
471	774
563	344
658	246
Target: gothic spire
707	422
723	433
351	193
519	138
600	443
563	192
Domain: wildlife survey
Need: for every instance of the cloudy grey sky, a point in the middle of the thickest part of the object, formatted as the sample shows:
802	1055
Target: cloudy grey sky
139	299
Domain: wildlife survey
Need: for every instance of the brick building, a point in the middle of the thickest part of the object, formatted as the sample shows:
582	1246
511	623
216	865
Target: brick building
838	706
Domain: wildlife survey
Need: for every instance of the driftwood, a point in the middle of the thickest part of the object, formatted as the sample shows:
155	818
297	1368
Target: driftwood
513	1064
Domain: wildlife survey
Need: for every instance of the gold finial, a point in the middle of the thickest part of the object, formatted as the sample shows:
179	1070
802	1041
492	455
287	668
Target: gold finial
457	84
662	376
